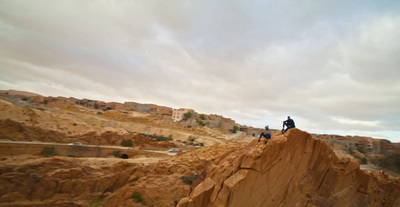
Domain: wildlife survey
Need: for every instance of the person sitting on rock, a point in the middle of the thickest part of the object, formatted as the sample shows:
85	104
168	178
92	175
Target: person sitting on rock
265	133
289	123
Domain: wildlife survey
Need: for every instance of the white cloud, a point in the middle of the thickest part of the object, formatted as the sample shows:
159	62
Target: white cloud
355	122
255	62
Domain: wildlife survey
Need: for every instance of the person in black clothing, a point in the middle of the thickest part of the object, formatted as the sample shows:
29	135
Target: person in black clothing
289	123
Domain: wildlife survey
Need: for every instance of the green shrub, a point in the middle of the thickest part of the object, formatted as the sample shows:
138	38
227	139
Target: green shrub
137	196
202	117
49	151
159	138
187	115
116	153
100	113
200	122
235	129
126	143
189	179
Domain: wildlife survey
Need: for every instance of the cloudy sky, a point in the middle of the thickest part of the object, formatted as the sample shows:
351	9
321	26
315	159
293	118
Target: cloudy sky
333	66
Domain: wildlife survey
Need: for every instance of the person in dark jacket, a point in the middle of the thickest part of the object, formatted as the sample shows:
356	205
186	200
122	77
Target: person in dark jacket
289	123
265	133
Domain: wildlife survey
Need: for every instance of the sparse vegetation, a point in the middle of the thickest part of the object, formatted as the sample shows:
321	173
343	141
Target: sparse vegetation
25	99
49	151
202	117
126	143
235	129
137	196
98	203
116	153
99	113
187	115
201	123
159	138
189	179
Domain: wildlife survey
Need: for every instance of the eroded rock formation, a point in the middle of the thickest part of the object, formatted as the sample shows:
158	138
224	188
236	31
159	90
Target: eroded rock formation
291	170
73	182
160	183
66	125
59	182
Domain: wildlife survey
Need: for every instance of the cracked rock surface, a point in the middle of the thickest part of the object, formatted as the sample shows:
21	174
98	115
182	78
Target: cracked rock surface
291	170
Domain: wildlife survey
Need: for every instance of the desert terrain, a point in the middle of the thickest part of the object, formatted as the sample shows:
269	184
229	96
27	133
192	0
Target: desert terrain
123	160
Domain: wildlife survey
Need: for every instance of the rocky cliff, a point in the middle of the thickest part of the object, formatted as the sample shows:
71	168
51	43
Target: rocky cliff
64	182
291	170
86	182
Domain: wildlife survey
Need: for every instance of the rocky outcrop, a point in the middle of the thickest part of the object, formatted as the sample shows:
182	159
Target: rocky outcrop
60	125
291	170
65	180
16	131
161	183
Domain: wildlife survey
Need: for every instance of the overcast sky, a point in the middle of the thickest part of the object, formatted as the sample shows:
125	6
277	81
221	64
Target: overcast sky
333	66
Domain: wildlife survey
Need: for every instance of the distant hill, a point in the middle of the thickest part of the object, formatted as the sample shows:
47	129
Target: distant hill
19	93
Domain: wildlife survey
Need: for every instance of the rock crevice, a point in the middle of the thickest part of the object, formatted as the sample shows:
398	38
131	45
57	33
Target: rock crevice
291	170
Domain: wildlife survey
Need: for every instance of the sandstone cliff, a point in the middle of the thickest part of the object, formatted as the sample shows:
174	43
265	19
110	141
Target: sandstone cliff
83	182
161	184
50	182
291	170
